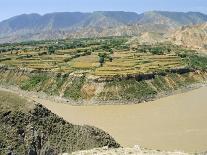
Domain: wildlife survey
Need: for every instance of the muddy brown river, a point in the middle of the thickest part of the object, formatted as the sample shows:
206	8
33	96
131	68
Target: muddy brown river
177	122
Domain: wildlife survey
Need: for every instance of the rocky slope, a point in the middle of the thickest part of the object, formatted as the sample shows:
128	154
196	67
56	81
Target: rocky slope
27	126
172	19
148	38
191	36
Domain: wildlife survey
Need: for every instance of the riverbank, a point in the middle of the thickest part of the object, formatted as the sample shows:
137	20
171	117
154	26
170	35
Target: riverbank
58	99
136	150
82	89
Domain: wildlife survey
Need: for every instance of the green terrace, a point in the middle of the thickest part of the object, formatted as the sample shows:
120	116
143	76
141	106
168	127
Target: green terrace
100	57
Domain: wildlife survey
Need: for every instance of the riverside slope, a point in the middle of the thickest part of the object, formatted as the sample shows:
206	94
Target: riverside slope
51	135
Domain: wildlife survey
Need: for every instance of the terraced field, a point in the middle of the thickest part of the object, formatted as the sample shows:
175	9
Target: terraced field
124	61
100	69
138	63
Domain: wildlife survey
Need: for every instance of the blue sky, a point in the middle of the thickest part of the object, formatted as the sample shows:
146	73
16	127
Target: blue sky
9	8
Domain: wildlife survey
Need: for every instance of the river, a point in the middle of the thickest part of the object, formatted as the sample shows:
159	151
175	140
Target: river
177	122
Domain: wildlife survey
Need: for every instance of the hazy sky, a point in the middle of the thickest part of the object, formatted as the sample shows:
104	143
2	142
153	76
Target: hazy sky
9	8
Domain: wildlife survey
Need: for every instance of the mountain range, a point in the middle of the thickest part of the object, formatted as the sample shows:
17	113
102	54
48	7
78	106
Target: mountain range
96	24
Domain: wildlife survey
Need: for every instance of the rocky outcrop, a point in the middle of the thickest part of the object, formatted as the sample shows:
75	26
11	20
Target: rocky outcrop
25	127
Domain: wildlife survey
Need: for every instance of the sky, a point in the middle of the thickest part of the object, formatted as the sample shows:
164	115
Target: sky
9	8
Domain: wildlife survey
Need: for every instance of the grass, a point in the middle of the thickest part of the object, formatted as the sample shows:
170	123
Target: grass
196	61
73	91
33	82
160	84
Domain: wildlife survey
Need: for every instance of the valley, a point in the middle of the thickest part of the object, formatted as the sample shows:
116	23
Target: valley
143	90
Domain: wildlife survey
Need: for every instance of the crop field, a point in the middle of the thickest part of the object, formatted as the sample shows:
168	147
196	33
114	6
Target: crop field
135	63
66	56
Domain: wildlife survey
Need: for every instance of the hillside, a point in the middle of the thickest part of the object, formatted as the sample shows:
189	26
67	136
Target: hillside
97	24
172	19
191	36
26	125
148	38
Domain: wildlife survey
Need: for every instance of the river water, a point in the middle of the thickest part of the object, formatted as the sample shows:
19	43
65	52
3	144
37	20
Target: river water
177	122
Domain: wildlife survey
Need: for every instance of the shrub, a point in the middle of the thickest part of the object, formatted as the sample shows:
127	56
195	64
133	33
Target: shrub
51	50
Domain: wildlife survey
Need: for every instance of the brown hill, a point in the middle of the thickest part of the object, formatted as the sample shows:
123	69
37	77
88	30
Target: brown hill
194	37
148	38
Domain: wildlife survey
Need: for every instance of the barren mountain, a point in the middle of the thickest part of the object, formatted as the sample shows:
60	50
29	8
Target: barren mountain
148	38
101	23
194	37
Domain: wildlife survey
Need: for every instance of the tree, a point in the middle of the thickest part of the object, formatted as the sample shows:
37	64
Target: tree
111	51
101	60
102	57
110	59
51	50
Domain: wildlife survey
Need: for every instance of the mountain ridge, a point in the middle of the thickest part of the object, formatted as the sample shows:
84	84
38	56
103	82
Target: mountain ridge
69	24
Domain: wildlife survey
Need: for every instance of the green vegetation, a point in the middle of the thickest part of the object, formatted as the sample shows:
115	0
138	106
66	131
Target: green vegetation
144	90
63	67
196	61
33	82
74	89
158	49
128	90
59	55
101	60
51	50
67	56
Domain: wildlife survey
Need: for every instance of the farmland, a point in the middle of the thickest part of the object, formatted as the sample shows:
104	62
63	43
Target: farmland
71	55
111	68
